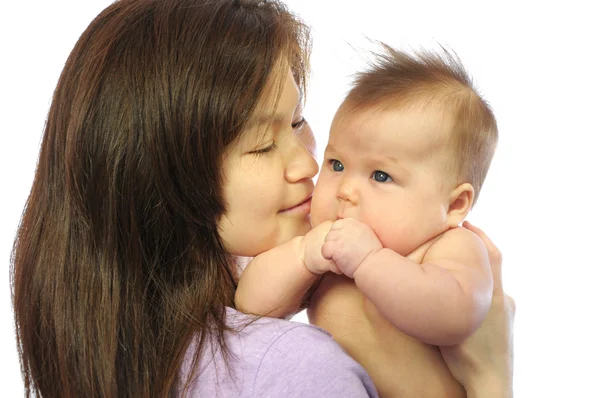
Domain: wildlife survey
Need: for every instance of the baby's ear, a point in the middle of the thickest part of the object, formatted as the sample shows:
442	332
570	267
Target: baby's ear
461	201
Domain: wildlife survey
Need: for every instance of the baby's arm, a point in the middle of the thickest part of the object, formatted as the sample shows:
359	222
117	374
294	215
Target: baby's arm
440	302
275	282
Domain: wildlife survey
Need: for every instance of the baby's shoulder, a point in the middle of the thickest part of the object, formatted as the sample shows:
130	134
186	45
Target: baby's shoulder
458	235
458	243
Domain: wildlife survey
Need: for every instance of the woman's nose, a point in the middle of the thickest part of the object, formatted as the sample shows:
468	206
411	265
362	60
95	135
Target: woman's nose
308	139
302	164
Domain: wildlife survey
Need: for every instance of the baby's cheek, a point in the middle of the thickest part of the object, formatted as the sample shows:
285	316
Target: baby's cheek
318	208
391	232
316	215
403	242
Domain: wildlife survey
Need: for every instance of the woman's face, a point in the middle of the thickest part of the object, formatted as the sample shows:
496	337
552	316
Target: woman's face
268	176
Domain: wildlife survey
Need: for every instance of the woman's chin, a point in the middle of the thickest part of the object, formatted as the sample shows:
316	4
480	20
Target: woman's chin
300	229
307	226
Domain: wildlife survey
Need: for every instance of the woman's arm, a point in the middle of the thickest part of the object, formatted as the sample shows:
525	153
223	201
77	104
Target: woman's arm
483	364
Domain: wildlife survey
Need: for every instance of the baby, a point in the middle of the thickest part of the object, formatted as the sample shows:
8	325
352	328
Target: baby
408	152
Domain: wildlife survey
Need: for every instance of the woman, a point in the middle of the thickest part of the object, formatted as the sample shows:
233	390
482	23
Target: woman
167	118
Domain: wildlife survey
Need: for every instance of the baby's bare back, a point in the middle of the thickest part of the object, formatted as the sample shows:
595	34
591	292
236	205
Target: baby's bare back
400	365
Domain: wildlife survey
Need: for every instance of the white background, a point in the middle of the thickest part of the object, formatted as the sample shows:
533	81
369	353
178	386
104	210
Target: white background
536	63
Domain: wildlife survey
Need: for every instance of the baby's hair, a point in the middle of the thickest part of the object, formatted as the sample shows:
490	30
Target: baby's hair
398	79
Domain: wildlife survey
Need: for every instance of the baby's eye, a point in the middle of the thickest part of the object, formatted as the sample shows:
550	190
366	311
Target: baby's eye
336	165
381	176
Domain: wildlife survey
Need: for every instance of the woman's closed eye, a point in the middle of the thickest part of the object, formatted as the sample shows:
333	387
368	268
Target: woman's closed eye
265	149
299	123
381	176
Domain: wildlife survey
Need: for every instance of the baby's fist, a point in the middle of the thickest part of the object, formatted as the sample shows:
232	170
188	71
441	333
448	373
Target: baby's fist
348	243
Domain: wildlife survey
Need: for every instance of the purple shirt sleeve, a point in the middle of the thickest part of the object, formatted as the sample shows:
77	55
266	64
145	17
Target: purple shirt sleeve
306	362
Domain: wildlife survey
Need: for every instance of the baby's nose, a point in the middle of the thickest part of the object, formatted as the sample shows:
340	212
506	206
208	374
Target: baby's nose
347	192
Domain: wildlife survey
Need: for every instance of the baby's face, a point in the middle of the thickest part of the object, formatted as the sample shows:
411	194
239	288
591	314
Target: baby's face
386	168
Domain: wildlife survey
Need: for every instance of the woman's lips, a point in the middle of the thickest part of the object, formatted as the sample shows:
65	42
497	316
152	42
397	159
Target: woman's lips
302	207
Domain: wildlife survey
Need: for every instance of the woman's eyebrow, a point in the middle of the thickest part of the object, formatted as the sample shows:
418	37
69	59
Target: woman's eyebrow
261	119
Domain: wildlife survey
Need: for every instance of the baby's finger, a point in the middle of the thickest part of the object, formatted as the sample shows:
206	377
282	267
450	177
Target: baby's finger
333	234
343	223
334	268
327	249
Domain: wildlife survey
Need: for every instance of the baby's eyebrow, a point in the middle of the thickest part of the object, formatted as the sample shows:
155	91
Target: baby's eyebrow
391	158
329	148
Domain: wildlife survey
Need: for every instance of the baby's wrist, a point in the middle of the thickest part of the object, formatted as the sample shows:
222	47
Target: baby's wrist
306	259
299	244
363	265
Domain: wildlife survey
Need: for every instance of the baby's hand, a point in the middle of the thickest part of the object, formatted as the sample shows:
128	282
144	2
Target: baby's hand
348	243
313	259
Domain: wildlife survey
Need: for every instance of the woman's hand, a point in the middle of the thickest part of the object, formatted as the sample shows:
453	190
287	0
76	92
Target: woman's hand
483	364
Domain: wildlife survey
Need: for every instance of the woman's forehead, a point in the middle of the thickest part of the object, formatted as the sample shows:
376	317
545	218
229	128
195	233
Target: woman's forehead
278	105
280	95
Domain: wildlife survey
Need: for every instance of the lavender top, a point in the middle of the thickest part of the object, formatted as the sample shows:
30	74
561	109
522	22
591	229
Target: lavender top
277	358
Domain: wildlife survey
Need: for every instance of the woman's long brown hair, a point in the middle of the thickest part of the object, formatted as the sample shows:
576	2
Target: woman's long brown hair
117	263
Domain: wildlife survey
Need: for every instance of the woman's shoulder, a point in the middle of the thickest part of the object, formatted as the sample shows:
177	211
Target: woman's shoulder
274	358
278	341
306	361
271	330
